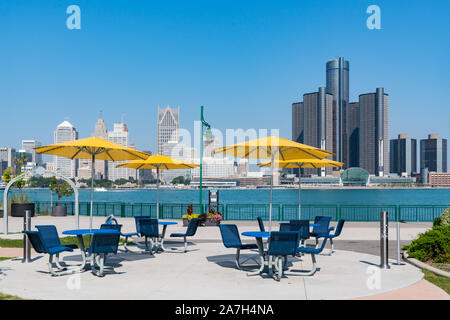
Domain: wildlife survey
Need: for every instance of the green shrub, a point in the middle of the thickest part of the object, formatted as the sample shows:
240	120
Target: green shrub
444	219
432	246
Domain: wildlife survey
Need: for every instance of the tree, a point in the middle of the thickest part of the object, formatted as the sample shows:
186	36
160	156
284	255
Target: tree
121	181
11	173
61	188
181	180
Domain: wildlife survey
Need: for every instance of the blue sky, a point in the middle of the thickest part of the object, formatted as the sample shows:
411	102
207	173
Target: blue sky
245	61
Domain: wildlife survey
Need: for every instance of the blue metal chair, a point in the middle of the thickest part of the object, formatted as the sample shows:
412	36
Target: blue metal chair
148	228
191	230
231	239
117	227
312	251
133	234
281	245
261	224
301	228
322	230
111	220
46	240
336	233
101	245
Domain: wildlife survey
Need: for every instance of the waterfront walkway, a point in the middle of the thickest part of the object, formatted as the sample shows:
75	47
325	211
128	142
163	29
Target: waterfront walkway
209	272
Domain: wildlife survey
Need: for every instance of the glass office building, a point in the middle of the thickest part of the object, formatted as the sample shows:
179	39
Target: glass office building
337	84
433	154
403	155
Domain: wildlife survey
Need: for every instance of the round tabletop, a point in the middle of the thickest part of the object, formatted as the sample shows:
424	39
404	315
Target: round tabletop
80	232
164	223
256	234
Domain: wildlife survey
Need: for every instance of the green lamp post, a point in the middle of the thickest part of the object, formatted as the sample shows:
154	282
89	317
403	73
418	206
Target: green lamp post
202	124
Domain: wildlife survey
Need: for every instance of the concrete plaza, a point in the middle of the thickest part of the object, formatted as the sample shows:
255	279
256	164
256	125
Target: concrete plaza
208	272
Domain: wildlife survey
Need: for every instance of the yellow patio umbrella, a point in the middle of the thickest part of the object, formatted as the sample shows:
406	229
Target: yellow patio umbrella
273	148
303	163
92	148
158	162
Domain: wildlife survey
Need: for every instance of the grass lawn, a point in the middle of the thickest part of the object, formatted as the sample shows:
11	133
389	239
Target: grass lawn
9	297
440	281
18	243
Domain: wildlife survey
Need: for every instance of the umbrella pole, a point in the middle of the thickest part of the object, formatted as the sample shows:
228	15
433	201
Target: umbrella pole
299	198
271	187
157	192
92	190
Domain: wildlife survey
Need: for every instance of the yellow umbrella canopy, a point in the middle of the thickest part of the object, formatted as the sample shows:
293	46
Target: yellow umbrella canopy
158	162
269	147
303	163
274	148
89	147
92	148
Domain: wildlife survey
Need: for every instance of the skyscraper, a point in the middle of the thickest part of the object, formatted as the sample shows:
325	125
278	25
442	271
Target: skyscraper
337	84
29	146
168	126
351	148
373	132
146	174
433	154
119	135
101	131
403	155
65	132
318	124
8	155
297	121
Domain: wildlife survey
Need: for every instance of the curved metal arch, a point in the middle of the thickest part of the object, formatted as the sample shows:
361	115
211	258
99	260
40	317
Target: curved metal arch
30	174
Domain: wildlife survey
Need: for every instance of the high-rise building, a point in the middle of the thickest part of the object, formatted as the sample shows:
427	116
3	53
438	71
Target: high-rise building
29	146
433	154
3	167
403	155
146	174
65	132
312	123
100	131
8	155
168	126
373	132
119	135
337	84
351	148
179	151
318	124
297	121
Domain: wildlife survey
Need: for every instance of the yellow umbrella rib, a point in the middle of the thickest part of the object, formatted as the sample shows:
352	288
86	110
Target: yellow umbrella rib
76	153
109	155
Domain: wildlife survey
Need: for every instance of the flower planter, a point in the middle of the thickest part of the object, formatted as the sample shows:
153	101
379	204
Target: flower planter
207	223
59	211
211	223
18	209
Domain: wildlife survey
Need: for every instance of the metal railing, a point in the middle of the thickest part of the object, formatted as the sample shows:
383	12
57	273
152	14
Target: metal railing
285	212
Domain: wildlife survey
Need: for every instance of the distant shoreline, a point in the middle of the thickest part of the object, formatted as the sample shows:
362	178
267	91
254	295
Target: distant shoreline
260	188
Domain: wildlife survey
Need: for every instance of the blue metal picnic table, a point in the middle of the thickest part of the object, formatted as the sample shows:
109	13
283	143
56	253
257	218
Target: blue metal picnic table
259	236
82	232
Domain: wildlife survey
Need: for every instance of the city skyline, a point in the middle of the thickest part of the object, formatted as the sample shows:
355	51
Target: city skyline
240	88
